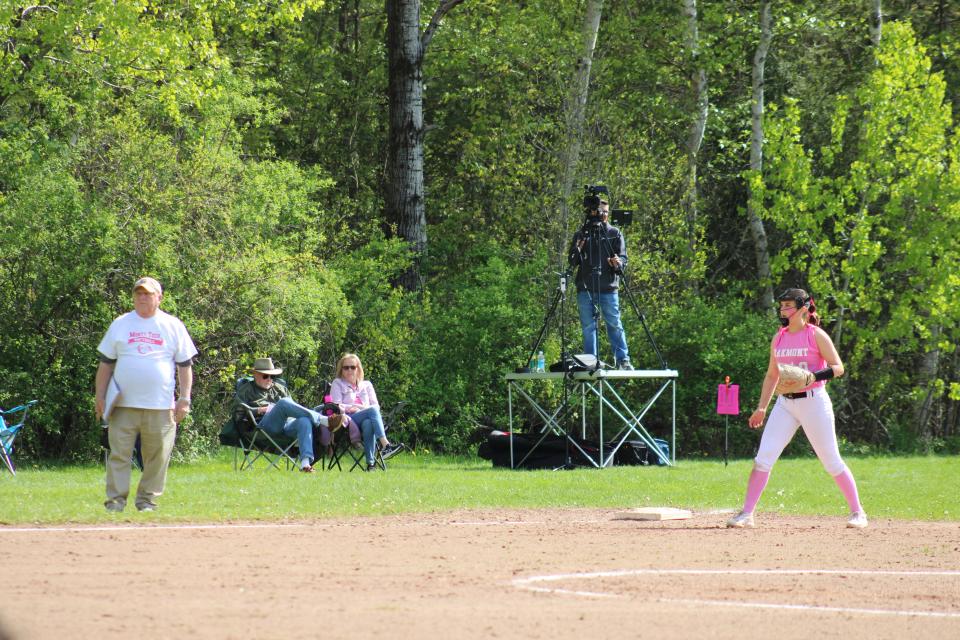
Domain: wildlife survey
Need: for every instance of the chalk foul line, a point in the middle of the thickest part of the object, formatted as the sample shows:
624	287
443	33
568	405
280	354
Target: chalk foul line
538	584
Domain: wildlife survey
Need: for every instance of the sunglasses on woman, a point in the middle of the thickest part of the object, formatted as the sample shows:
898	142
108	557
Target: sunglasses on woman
349	366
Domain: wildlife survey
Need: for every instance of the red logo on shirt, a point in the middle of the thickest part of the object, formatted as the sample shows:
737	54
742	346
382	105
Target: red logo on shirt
145	340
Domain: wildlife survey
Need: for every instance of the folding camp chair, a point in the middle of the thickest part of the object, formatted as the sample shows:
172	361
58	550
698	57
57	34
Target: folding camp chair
342	445
8	433
253	442
393	417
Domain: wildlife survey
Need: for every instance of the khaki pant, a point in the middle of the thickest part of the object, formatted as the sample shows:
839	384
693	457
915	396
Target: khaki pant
157	432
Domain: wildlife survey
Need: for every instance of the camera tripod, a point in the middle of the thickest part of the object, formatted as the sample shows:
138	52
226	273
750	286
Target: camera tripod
559	302
560	417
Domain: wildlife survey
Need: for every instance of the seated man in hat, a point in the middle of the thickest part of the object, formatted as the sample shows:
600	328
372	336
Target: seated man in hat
281	415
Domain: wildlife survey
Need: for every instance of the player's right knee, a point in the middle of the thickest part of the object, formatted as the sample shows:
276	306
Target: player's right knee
761	465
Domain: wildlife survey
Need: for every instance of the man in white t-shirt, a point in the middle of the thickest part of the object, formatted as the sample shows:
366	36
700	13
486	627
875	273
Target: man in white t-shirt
143	351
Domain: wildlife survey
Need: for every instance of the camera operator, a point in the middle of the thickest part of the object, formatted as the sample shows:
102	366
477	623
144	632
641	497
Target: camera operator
599	252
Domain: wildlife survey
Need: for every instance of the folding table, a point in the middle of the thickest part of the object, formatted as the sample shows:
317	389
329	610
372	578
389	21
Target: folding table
602	384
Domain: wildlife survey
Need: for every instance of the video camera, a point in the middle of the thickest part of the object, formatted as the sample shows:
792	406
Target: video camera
591	198
591	203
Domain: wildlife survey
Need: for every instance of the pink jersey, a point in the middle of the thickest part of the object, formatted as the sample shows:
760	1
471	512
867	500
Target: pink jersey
800	349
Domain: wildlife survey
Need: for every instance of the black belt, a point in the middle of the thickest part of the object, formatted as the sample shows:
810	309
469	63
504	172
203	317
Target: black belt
797	396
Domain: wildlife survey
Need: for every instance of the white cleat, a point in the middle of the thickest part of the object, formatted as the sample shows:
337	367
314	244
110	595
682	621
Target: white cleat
741	520
857	520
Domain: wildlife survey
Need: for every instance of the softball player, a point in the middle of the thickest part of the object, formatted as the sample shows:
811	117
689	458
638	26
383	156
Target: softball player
802	343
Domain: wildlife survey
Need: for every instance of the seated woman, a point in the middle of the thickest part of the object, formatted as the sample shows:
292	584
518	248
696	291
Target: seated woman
358	401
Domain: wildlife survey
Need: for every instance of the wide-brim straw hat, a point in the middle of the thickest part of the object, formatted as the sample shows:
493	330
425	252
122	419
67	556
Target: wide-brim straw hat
265	365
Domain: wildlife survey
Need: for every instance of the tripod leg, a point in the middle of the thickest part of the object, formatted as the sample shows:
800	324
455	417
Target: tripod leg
546	323
643	321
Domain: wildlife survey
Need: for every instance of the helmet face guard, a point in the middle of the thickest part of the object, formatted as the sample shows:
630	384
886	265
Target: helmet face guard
797	296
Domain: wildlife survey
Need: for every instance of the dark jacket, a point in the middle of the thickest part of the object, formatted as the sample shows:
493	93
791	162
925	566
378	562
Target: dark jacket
250	394
594	273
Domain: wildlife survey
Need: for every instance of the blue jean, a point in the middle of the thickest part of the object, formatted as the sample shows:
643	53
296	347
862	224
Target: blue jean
371	429
610	308
290	419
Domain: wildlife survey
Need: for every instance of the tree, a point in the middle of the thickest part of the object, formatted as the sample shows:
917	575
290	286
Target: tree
876	22
759	234
698	125
575	112
404	193
874	218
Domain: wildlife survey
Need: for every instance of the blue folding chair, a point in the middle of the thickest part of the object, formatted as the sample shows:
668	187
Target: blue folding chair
8	433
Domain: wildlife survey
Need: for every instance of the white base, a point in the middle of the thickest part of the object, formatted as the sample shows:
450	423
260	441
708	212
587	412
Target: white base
655	513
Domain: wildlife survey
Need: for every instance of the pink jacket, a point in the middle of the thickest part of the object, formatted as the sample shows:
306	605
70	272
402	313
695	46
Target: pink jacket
346	395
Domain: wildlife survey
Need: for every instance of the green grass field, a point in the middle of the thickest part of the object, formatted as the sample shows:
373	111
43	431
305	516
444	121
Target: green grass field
922	488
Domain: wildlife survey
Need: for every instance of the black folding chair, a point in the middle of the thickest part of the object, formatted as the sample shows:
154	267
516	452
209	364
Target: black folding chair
243	432
342	445
393	417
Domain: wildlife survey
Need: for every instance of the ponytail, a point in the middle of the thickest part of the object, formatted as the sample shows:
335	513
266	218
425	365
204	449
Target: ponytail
813	318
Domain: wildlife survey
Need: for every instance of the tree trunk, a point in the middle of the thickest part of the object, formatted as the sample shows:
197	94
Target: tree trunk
760	250
404	188
876	22
404	197
698	86
575	115
952	417
925	378
347	44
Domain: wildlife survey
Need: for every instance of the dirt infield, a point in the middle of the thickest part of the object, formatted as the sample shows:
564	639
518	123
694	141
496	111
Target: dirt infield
485	574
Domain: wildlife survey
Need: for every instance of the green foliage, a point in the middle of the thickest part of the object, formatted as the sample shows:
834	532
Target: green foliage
474	329
235	150
239	247
384	317
873	219
705	342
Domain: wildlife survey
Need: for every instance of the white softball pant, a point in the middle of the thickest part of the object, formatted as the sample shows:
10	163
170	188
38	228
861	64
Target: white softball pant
815	414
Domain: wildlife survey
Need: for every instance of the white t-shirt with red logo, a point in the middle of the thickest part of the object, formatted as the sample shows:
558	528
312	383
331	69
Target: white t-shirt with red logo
147	351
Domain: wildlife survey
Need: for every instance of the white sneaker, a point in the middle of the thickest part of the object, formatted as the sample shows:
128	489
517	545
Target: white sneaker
857	520
741	520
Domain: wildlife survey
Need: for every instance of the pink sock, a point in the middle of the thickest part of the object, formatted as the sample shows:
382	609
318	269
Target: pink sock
755	486
848	486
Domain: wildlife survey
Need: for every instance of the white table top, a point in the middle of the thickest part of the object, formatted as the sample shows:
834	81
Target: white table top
607	374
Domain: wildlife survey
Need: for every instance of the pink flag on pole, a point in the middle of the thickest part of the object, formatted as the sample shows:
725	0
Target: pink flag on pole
728	399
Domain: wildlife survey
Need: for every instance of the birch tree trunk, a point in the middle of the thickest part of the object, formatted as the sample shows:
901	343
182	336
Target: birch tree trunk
404	197
698	86
876	22
926	375
760	249
575	115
